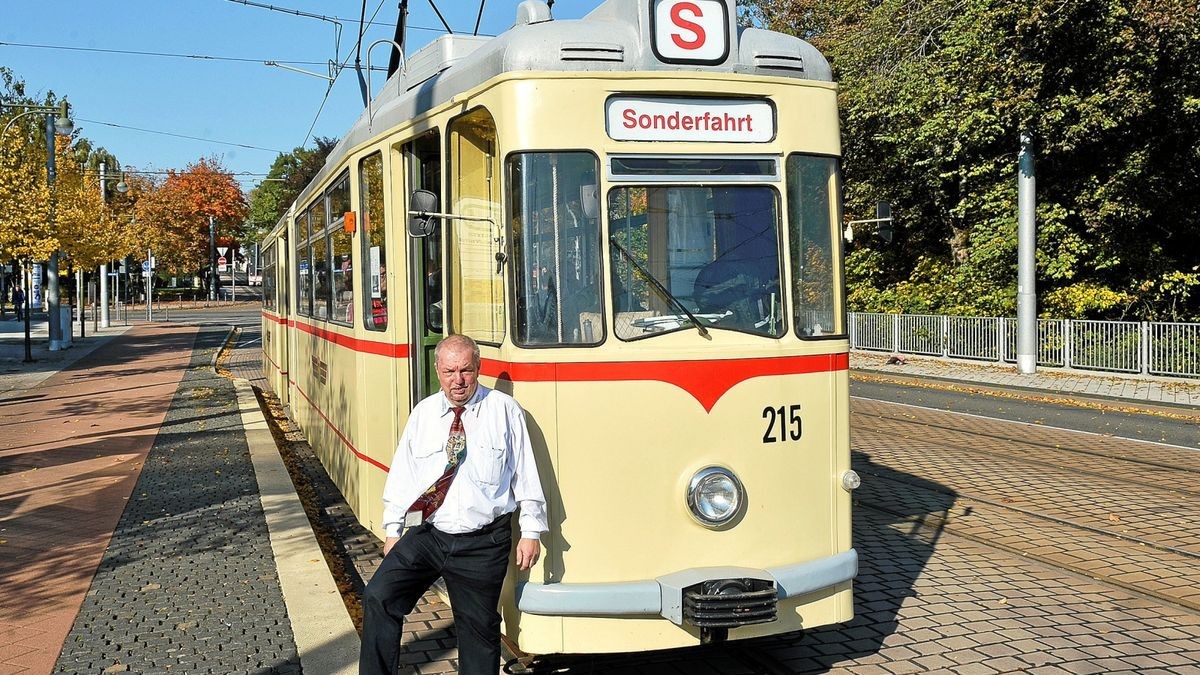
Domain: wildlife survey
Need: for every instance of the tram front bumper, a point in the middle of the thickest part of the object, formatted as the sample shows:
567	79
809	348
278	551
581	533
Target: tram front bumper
665	595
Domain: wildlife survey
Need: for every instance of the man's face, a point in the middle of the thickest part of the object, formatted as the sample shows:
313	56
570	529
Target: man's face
458	374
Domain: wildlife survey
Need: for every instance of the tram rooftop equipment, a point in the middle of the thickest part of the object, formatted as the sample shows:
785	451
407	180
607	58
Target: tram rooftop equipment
617	36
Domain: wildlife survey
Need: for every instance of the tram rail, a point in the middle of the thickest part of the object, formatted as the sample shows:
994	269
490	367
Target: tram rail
1027	454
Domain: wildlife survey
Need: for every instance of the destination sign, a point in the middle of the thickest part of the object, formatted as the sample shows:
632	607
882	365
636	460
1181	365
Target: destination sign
679	119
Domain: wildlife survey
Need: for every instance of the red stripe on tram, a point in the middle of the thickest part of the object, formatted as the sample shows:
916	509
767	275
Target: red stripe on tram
388	349
707	381
341	436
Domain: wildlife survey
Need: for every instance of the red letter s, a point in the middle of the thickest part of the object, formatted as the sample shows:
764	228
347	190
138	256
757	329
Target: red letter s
695	28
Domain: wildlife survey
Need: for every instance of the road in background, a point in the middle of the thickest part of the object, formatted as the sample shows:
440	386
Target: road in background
1176	425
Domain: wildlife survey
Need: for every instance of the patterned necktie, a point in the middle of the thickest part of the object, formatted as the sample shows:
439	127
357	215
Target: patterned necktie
456	450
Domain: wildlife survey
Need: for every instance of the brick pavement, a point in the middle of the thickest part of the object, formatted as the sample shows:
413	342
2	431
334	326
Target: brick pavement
70	453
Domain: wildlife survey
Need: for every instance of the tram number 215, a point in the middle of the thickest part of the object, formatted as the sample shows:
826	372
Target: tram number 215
782	427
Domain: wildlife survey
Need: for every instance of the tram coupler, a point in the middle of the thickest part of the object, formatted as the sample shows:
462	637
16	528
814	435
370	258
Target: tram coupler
711	636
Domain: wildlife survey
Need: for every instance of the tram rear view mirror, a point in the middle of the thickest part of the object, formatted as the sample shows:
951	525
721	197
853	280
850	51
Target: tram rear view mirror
422	207
589	200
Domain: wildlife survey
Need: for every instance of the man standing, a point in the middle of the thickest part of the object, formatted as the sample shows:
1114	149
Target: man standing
463	465
18	299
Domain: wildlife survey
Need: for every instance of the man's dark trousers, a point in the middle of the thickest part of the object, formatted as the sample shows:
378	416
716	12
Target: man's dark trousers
473	566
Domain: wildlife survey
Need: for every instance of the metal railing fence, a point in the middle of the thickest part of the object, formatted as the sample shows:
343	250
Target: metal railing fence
1145	347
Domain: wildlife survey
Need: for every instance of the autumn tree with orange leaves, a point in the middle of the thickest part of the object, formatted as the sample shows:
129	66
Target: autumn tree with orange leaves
172	214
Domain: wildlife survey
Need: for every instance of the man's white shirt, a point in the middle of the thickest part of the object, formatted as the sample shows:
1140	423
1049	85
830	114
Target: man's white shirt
498	474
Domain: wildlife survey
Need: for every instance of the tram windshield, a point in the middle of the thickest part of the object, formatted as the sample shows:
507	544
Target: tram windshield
713	248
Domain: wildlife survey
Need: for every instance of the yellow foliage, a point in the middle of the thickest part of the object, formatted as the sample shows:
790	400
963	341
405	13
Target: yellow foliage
89	231
1083	300
24	200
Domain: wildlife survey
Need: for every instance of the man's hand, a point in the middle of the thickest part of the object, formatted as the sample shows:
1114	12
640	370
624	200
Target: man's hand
528	551
388	544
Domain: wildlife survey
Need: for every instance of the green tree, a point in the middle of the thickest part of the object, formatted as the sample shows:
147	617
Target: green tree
289	174
934	95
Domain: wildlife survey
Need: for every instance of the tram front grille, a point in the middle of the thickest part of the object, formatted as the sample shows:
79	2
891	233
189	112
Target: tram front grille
729	603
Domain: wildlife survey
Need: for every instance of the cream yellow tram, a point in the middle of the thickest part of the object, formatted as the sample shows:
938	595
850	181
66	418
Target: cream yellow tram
639	225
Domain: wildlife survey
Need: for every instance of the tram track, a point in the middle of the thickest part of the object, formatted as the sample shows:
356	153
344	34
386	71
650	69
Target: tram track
1028	457
1039	444
943	527
970	476
1042	516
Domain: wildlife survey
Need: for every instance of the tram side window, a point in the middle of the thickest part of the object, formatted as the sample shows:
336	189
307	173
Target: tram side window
281	263
342	269
374	245
555	249
814	192
320	262
303	266
268	276
424	156
475	278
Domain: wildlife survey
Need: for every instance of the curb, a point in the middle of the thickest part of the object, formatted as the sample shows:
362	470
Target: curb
234	331
325	637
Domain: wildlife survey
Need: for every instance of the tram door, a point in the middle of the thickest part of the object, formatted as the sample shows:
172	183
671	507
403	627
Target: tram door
282	305
423	161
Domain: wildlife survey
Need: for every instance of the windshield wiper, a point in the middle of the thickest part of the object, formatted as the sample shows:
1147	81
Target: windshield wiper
612	239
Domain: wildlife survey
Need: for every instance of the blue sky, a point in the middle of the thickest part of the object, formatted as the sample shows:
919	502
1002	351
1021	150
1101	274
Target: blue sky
226	104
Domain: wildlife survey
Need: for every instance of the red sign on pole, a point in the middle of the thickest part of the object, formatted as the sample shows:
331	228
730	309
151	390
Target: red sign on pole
221	264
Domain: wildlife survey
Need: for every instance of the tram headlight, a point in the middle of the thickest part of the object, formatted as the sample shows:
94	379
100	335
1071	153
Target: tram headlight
715	496
850	480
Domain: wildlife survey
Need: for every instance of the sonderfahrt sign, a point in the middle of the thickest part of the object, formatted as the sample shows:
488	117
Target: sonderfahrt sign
679	119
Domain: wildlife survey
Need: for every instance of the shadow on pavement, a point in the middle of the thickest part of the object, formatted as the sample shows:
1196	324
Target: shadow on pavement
893	547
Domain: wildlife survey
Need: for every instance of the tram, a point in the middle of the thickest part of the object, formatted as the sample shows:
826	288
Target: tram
636	215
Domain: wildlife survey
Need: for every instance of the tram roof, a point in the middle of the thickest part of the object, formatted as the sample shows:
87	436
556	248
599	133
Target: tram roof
614	37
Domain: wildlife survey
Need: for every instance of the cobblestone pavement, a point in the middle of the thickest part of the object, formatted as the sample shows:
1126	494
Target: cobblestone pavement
985	547
188	583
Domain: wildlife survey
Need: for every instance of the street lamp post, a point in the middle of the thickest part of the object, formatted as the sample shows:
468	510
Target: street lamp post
212	259
121	187
61	124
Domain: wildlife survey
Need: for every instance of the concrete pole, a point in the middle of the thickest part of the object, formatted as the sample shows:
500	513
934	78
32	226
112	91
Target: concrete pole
212	259
149	284
79	298
52	294
27	283
103	266
1027	331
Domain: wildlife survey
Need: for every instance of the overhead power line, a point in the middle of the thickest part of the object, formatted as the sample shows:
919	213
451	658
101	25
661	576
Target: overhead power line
193	138
130	52
337	72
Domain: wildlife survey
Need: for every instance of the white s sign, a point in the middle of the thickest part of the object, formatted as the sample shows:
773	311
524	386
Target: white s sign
690	31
